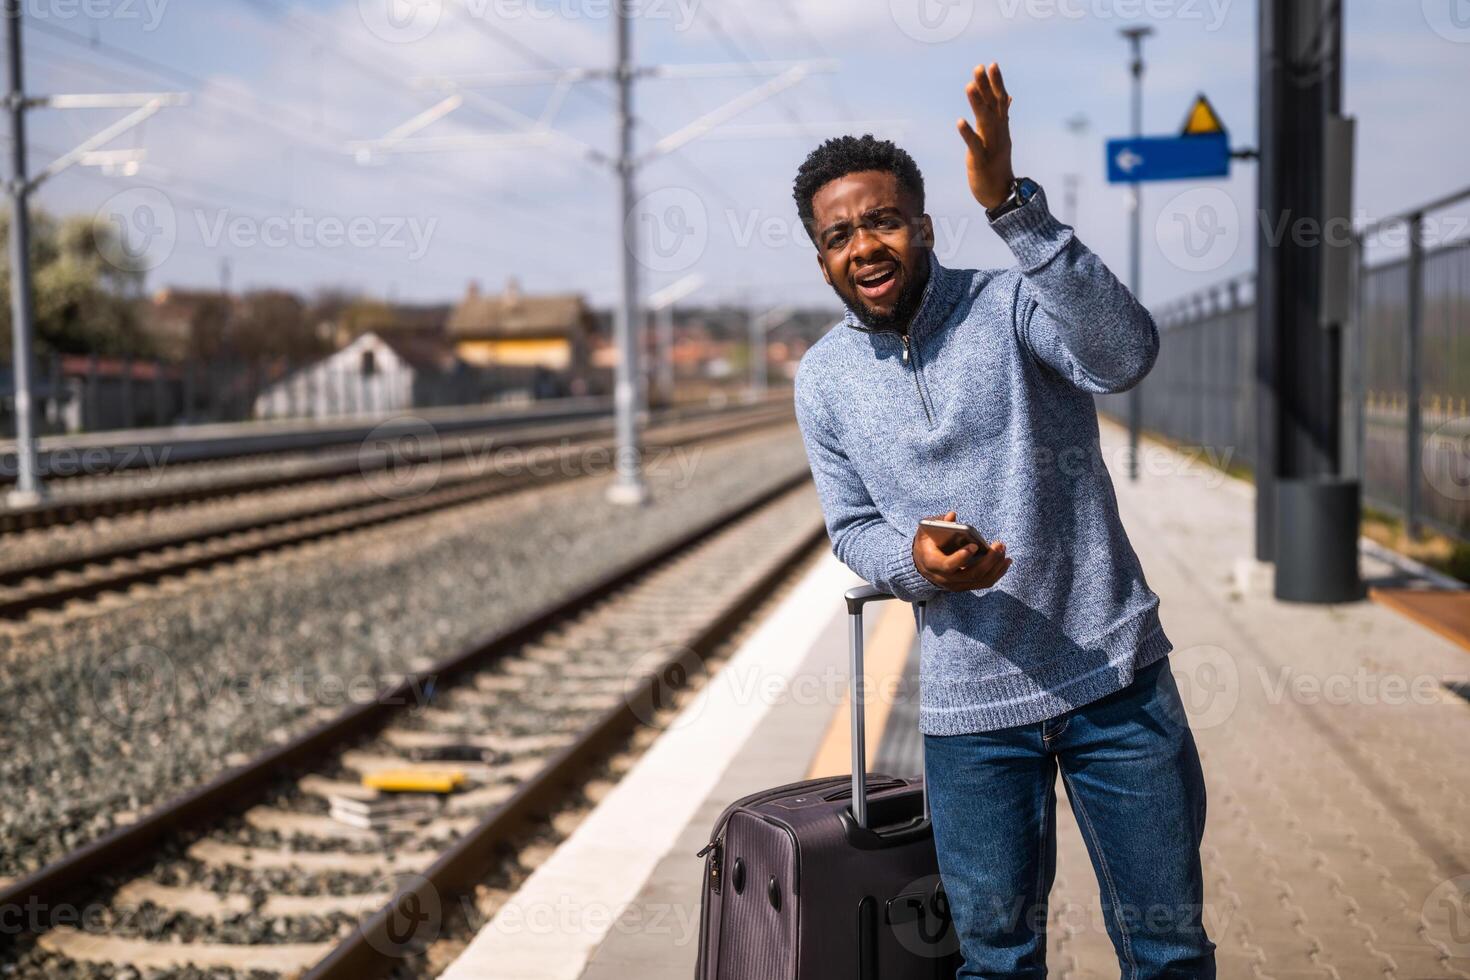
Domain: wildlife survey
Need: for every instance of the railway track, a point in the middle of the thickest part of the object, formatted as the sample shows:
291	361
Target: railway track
51	582
130	491
280	886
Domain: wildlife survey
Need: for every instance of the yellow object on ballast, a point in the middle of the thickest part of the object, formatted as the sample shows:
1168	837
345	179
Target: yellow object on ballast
411	781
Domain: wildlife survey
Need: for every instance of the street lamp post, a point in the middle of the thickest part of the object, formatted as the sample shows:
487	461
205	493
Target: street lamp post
1135	36
1076	125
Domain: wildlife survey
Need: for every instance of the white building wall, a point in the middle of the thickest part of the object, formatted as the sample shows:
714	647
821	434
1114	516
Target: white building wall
336	385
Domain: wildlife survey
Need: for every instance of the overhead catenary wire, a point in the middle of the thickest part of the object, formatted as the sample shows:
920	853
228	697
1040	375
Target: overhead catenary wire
238	105
739	54
602	96
839	101
201	203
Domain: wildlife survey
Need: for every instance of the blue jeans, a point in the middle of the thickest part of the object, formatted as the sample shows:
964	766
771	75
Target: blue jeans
1133	777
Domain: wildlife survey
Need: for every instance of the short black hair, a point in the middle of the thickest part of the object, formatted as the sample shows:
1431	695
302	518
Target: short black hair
845	155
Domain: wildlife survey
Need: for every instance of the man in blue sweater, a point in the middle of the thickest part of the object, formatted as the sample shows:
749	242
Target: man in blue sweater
968	394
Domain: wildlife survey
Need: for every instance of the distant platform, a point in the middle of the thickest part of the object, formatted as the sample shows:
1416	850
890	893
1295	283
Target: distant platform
82	453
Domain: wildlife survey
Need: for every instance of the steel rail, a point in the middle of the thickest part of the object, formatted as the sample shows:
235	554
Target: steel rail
73	508
311	525
44	891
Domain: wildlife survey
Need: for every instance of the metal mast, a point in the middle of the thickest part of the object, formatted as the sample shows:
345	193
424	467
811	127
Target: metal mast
28	488
1135	36
627	486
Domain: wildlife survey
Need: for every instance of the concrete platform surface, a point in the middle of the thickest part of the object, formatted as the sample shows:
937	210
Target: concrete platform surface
1333	743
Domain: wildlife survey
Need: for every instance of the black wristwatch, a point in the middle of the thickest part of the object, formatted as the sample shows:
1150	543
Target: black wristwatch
1023	189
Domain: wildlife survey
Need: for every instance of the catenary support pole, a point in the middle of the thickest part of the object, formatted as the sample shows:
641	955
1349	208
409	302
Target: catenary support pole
28	487
627	486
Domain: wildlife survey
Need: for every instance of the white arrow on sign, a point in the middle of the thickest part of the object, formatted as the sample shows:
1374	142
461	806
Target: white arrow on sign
1128	161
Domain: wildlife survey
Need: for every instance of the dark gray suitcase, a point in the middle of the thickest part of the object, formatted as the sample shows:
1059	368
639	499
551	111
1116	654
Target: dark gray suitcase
828	879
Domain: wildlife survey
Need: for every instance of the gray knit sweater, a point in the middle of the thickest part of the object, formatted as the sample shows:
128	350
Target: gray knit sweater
991	415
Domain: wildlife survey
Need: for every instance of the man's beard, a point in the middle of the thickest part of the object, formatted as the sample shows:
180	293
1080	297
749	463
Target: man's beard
909	298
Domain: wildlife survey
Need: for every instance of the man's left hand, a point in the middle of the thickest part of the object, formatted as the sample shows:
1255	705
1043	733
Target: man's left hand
989	139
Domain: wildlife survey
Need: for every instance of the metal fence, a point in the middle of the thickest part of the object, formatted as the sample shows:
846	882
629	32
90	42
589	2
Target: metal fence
1407	343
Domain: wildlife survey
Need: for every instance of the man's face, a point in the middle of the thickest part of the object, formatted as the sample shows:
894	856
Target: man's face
873	246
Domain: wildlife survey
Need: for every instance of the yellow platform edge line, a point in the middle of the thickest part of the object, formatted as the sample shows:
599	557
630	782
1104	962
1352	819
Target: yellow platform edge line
884	657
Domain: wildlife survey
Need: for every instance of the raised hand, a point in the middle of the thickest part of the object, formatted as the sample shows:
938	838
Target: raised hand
989	139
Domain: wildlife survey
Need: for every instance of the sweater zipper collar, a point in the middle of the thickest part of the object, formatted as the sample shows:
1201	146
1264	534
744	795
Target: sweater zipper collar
918	384
941	293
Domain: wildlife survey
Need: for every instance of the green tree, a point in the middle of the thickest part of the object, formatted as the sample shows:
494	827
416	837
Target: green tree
83	303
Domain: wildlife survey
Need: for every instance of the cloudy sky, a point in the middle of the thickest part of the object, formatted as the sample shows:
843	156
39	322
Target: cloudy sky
258	177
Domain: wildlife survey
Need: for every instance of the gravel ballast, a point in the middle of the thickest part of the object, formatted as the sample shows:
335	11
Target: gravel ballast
115	711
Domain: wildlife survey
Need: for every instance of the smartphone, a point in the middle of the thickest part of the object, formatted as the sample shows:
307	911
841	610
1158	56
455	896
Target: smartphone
952	535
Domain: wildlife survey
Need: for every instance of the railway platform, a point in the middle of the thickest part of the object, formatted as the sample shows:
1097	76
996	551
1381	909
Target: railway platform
1332	739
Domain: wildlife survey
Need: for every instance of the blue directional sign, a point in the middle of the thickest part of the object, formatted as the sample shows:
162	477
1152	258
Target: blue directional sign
1149	158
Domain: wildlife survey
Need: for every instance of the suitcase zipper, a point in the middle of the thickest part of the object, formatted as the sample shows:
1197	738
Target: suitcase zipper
755	799
714	864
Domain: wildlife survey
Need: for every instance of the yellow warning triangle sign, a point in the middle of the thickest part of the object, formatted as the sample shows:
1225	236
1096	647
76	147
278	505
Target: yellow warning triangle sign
1202	119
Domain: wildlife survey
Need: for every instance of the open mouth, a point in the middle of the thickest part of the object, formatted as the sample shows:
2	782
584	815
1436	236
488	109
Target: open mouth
877	283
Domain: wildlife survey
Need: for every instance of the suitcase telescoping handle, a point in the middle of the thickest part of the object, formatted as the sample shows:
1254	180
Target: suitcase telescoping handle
857	598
